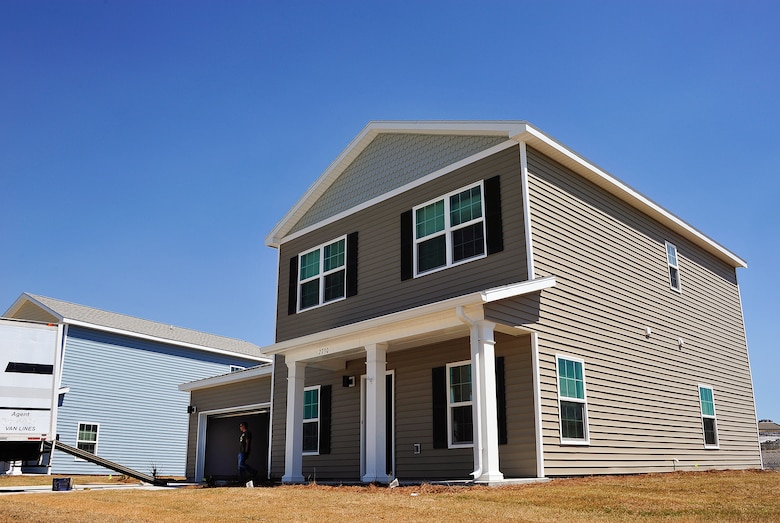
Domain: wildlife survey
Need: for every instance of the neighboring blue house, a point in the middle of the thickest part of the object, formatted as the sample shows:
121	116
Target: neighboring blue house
119	393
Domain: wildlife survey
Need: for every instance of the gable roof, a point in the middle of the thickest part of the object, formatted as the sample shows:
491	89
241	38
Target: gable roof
327	200
34	307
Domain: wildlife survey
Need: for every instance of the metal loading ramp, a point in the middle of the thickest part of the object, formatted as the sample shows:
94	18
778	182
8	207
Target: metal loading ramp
88	456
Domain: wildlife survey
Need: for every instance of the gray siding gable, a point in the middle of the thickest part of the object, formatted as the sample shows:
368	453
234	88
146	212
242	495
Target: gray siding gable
389	162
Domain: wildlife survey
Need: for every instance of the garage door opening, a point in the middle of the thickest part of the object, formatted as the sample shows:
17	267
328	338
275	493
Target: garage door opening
221	444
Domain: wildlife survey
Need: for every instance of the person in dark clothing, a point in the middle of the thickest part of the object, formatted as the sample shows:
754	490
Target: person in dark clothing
244	446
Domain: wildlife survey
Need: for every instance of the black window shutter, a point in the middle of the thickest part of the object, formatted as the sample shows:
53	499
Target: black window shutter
352	264
325	396
407	245
501	401
439	389
292	299
493	224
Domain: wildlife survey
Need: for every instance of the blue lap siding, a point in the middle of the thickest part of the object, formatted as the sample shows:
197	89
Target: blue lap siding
129	386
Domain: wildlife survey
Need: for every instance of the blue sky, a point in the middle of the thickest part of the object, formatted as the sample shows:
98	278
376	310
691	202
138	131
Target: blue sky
148	147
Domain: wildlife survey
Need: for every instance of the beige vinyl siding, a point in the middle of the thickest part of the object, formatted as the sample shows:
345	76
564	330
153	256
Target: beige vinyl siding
380	289
612	281
234	395
32	312
413	416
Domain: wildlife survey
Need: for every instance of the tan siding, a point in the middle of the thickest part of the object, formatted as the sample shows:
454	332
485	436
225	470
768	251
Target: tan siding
612	282
518	457
251	392
380	289
30	311
413	416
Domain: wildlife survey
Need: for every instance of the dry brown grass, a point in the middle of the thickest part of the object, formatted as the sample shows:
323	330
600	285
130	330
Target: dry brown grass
680	497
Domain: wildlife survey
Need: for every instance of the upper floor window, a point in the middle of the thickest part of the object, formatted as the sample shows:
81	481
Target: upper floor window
709	423
458	227
572	401
459	400
449	230
324	274
674	267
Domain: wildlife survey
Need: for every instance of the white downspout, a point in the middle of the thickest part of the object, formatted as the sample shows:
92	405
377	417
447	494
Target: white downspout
475	391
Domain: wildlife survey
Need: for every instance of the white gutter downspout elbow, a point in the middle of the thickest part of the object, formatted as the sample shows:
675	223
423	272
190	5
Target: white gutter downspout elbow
475	391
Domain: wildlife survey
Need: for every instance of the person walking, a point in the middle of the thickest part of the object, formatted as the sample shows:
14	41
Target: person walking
244	446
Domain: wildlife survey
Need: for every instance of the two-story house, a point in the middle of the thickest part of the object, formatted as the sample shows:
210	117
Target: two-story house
475	300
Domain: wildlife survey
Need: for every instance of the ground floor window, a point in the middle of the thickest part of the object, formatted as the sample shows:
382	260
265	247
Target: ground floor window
311	420
459	404
572	403
87	437
709	423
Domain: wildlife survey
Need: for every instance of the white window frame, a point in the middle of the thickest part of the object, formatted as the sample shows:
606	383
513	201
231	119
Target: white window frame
673	267
583	401
451	405
713	417
314	420
97	437
321	275
449	229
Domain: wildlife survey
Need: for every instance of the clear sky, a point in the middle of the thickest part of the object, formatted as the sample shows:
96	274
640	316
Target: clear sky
148	147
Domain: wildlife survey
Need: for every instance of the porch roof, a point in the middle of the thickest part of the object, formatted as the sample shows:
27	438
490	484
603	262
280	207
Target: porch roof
425	324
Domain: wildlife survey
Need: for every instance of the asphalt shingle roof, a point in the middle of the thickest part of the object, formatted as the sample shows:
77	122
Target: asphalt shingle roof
112	320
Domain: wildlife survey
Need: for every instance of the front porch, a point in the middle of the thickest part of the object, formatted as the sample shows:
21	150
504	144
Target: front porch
459	401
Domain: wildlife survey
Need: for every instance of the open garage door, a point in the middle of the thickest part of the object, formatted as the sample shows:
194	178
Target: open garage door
221	445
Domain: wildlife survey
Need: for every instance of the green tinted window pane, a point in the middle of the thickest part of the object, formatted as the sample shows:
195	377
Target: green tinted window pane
310	265
334	255
310	404
707	403
465	206
430	219
570	379
310	294
432	254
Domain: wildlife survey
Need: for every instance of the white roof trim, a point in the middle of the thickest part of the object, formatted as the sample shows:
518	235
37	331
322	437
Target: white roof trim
225	379
360	330
518	131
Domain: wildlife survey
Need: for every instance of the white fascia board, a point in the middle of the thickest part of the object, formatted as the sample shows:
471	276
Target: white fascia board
226	379
400	190
497	128
166	341
539	140
424	318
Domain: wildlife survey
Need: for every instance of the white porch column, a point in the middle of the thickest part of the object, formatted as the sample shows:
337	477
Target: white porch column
293	445
485	409
375	430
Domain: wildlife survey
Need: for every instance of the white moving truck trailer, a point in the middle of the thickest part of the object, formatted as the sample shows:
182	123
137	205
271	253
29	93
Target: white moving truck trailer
30	362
